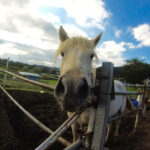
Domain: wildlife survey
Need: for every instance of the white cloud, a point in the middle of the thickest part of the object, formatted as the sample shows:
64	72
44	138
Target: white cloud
129	45
87	13
143	57
111	51
142	34
26	34
35	32
52	18
26	27
11	49
117	33
32	37
74	31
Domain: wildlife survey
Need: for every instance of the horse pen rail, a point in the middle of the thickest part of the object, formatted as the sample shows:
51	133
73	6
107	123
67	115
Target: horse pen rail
98	118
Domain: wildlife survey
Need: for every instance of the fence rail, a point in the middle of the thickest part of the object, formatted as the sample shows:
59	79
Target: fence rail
29	81
50	140
137	86
128	93
99	117
122	115
36	121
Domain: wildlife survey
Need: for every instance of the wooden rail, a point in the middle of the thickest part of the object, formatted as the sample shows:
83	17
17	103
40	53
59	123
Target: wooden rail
120	116
74	146
30	81
98	118
36	121
50	140
128	93
137	86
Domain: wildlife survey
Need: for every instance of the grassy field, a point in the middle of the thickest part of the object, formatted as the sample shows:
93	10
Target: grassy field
16	84
132	89
21	85
51	82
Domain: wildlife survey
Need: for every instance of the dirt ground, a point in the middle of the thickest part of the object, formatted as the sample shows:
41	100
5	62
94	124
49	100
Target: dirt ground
17	132
140	140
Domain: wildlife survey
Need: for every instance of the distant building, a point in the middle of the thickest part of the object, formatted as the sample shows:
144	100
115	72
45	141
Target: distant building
31	76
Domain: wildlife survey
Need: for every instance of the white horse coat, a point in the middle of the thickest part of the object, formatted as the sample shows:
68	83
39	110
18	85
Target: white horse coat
75	71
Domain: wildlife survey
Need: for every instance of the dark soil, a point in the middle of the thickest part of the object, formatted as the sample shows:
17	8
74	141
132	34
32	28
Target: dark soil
17	132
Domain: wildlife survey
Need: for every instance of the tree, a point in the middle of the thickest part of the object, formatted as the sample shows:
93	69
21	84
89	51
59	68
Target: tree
25	68
36	70
135	71
45	70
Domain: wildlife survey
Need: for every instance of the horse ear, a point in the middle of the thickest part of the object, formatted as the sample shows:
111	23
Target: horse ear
97	39
62	34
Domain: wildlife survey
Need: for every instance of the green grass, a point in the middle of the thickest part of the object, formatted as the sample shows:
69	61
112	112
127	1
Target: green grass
16	84
53	75
51	82
21	85
132	89
31	90
2	67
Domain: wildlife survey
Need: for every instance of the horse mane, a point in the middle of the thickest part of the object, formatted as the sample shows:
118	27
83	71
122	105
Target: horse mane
75	41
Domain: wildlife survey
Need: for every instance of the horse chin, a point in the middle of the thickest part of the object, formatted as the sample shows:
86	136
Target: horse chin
74	105
80	108
72	109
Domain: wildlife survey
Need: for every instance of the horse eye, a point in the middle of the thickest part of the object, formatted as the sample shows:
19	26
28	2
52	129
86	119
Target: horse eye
91	56
62	54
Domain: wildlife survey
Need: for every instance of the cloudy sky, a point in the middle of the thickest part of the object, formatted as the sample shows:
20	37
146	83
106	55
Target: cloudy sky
29	28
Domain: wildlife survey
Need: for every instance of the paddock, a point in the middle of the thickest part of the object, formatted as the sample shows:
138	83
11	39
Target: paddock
97	127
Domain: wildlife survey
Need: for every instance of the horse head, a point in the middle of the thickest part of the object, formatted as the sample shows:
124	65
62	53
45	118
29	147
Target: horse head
73	87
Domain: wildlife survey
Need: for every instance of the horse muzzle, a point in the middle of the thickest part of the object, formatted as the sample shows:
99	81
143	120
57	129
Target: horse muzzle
72	93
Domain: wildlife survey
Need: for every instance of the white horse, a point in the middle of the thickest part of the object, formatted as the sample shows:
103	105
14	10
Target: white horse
77	77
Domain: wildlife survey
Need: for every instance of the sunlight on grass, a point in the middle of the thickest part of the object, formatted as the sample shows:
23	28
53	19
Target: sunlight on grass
21	85
51	82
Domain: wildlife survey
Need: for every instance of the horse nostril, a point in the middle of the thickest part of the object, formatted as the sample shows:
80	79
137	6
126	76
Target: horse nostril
60	89
83	89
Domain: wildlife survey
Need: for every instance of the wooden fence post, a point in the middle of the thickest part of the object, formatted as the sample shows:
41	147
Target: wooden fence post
138	113
102	110
5	75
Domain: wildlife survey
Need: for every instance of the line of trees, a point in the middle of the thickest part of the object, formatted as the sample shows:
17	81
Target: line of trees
18	66
134	71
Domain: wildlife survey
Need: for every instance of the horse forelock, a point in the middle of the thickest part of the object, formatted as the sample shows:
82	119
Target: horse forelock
70	43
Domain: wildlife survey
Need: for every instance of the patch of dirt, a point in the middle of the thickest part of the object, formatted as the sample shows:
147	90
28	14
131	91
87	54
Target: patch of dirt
17	132
127	140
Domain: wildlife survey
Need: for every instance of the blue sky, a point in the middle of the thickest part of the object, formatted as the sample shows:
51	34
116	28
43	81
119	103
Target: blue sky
29	29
